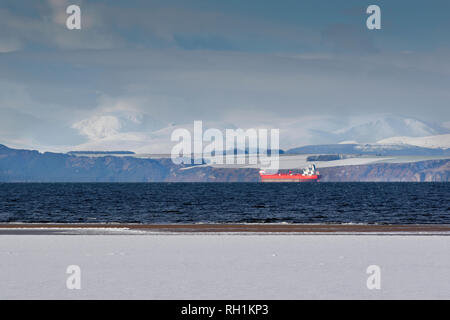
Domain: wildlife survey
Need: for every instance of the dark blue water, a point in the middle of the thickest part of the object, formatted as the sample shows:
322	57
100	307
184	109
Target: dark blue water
392	203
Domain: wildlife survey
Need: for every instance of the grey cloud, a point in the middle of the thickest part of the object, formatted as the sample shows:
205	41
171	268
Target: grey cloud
179	85
134	70
349	39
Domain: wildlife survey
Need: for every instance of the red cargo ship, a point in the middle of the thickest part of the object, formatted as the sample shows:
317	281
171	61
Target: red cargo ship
308	175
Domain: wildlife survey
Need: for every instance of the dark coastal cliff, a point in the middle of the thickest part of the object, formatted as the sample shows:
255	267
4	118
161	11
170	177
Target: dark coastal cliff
32	166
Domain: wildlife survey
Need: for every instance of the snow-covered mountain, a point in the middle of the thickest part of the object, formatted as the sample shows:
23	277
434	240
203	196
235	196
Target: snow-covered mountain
436	141
356	129
387	126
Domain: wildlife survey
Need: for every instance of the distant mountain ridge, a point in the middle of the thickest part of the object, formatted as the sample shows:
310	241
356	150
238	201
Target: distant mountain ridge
33	166
386	126
364	129
441	141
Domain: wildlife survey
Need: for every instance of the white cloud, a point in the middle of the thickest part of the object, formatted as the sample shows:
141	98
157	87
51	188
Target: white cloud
446	125
127	107
9	45
98	127
121	124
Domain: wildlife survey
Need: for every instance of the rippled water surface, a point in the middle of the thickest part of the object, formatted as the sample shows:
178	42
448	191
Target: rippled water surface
394	203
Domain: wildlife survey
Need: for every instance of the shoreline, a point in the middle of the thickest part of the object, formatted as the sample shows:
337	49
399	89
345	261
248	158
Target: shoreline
6	228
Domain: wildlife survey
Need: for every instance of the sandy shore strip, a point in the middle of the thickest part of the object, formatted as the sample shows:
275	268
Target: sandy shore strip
44	228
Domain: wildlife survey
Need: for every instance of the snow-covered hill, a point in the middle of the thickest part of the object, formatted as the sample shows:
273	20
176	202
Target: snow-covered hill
359	129
437	141
383	127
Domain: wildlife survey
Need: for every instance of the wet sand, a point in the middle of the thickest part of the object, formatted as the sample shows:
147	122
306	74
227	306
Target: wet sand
229	228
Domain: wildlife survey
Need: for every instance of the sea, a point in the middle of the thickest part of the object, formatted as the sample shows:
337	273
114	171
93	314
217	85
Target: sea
179	203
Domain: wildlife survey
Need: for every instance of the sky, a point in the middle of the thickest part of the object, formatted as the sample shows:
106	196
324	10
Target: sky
137	70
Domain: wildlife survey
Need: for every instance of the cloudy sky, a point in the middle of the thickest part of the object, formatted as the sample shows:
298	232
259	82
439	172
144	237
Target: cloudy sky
138	69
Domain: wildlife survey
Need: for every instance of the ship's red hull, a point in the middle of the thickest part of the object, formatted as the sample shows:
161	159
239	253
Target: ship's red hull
284	177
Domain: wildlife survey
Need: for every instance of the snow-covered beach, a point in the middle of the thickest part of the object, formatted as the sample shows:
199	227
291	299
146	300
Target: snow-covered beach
145	265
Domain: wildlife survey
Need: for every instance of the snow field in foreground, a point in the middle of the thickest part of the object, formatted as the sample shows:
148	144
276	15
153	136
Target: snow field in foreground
224	266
